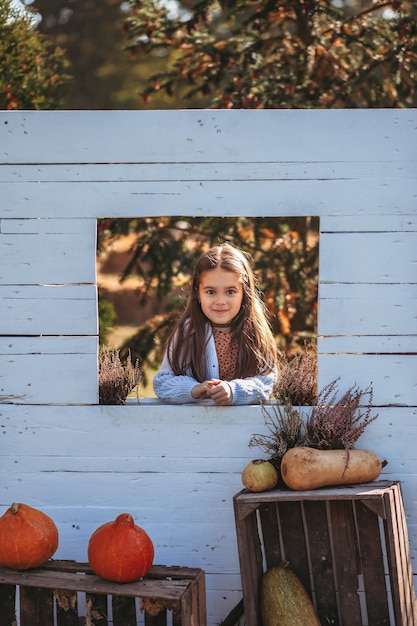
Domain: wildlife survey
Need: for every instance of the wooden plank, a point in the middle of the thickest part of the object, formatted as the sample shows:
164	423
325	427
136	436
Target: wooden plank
66	607
293	538
96	611
368	345
392	375
358	309
369	223
403	586
270	528
378	344
230	170
36	606
48	310
124	611
345	561
368	257
198	603
156	620
250	558
53	374
214	198
52	258
321	560
38	226
7	604
371	552
136	136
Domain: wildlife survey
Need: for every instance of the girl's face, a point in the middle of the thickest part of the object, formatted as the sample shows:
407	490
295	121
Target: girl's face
220	294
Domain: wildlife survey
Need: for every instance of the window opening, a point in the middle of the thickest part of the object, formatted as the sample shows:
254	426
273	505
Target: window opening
144	267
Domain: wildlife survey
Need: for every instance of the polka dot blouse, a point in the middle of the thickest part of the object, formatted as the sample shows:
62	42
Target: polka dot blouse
227	354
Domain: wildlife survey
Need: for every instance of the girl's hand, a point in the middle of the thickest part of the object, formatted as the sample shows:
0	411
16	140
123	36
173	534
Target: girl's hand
219	391
200	390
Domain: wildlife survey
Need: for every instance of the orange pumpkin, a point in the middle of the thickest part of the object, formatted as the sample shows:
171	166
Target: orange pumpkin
28	537
120	551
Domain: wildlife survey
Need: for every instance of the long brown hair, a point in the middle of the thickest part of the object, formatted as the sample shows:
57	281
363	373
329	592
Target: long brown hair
187	343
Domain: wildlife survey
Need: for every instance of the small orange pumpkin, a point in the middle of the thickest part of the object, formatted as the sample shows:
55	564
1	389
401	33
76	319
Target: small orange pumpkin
120	551
28	537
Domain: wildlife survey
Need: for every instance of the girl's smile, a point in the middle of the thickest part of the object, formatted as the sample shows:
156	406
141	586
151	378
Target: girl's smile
220	294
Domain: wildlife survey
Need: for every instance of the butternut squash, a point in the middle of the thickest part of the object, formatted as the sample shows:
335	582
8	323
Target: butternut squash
284	601
304	468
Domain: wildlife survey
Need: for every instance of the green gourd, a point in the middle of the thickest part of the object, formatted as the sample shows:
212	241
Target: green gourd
284	601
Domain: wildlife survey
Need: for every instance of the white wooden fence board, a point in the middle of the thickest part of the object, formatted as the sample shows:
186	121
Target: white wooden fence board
217	135
393	376
49	370
367	309
369	223
186	171
39	226
222	198
48	258
368	258
368	345
48	310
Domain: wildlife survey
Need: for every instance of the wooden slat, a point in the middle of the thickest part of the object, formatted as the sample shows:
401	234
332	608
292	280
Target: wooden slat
7	604
51	258
220	135
293	537
48	310
36	606
50	370
232	170
66	607
369	223
96	609
371	551
392	375
250	558
198	593
346	561
362	344
358	309
320	552
368	257
214	198
124	611
270	529
156	620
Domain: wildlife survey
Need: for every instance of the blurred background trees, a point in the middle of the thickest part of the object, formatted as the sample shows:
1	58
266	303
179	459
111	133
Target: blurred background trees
33	71
292	54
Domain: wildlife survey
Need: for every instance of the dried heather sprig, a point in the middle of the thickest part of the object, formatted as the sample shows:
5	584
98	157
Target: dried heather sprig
338	423
286	430
116	380
298	377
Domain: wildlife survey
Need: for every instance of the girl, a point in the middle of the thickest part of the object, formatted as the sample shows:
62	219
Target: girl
222	347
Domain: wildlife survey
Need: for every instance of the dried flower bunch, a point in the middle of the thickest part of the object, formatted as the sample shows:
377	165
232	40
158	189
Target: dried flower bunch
116	380
298	377
335	424
331	424
286	430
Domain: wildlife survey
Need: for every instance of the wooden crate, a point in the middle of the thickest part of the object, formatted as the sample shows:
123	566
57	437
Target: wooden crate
52	589
348	545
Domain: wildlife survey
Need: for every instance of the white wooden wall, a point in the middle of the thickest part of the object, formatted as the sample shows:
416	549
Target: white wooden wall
176	468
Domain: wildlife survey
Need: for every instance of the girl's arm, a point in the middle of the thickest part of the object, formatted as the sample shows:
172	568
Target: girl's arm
253	390
171	388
